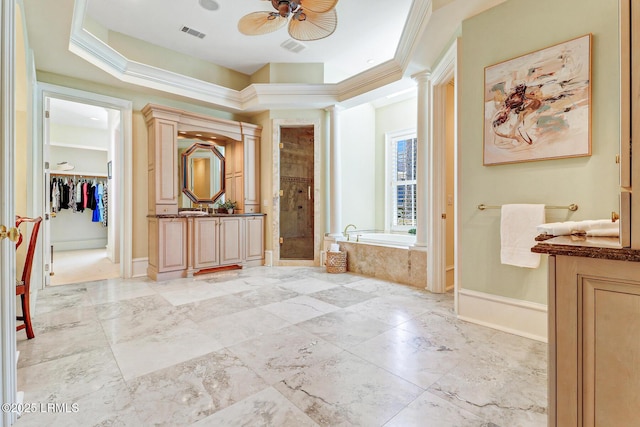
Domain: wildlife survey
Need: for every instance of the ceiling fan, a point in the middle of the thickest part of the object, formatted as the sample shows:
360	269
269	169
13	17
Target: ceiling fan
310	19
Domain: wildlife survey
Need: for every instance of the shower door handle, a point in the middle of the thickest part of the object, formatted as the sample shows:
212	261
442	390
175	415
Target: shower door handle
308	192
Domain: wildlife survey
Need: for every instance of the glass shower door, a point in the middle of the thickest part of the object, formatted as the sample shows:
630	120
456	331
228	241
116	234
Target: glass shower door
296	193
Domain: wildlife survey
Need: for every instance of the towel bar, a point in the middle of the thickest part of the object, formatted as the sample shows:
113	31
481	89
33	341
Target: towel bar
572	207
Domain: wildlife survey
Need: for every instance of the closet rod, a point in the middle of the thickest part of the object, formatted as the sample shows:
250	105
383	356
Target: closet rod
81	175
572	207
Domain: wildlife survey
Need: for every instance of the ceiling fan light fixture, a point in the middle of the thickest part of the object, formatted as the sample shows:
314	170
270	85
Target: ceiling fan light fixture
300	15
311	20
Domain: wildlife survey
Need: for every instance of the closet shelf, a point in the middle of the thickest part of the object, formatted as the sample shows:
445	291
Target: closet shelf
78	173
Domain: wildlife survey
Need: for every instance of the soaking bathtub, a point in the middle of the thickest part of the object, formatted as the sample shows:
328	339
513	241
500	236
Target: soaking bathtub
386	256
389	239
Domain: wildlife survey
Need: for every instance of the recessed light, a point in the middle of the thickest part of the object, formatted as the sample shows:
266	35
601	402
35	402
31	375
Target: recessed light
209	4
94	118
371	61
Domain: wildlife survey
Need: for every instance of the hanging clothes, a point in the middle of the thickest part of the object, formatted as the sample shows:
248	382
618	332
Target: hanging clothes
55	196
72	195
77	194
105	204
91	196
79	197
97	212
85	195
64	198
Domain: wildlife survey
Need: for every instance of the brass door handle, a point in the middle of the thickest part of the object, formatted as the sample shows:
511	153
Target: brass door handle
12	234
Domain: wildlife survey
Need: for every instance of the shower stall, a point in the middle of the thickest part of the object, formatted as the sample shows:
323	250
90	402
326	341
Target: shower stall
296	193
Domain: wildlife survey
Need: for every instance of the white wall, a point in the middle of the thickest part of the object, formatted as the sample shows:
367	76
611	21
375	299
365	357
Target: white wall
357	135
362	134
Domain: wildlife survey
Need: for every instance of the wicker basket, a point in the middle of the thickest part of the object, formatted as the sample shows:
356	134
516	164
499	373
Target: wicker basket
336	262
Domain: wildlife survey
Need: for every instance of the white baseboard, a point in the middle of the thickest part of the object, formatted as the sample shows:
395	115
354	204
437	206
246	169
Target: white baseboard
75	245
139	267
524	318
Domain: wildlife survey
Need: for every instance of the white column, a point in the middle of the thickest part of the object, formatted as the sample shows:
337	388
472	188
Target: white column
335	174
424	143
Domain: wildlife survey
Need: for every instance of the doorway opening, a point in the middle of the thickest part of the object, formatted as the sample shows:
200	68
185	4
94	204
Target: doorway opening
450	142
297	193
79	145
83	137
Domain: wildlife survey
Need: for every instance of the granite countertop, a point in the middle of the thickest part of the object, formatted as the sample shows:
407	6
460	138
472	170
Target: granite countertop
589	247
204	216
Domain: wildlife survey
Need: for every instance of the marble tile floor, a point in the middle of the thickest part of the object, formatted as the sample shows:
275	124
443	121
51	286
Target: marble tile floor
82	265
272	346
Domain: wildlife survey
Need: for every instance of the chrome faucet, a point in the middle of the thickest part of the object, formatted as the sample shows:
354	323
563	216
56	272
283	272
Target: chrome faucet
344	233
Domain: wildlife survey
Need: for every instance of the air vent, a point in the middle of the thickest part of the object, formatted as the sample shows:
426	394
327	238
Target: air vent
293	46
193	32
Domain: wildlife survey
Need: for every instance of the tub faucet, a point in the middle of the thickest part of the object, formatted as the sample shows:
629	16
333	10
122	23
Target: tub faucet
344	233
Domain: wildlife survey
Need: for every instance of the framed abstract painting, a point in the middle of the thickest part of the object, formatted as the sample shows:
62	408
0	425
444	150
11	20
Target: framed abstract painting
538	106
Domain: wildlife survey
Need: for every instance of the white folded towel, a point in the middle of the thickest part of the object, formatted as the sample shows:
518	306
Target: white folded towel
597	227
517	234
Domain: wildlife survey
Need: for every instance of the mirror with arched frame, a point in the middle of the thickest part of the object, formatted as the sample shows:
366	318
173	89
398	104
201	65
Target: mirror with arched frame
202	166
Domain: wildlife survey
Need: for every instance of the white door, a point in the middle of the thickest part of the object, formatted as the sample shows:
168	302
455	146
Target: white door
46	230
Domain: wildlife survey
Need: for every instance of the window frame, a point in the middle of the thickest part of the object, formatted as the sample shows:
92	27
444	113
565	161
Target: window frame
391	184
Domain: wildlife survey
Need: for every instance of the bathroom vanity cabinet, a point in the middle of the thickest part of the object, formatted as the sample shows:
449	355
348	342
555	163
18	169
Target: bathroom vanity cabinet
254	243
241	142
181	246
594	332
163	166
167	248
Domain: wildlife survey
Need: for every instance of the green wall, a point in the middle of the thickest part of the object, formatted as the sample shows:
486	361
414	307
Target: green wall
512	29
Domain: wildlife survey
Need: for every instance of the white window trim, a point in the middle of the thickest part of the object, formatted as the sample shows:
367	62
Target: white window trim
390	137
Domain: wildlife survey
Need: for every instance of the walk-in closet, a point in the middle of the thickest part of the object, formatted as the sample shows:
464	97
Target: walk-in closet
80	193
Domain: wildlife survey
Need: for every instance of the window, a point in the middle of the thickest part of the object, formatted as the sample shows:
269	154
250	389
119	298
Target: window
402	162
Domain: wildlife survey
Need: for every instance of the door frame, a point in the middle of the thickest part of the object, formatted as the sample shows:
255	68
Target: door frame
8	369
317	235
122	165
436	232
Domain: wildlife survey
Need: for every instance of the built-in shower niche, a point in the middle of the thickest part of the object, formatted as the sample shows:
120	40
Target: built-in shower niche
296	186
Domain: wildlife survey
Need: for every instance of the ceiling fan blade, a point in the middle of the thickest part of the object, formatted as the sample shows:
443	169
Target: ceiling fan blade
309	26
318	6
258	23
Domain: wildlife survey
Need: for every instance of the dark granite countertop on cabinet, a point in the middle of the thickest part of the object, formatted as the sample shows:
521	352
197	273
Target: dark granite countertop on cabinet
207	215
588	247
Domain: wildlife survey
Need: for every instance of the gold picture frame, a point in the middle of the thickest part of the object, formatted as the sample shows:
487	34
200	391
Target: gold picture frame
538	106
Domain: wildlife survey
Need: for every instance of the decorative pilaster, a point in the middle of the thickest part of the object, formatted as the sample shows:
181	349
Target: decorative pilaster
335	173
423	132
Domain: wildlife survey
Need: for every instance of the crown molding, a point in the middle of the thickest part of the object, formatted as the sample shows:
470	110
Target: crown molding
255	97
419	17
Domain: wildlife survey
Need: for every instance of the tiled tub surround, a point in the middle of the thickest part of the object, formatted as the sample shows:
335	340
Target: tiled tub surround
273	346
401	264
